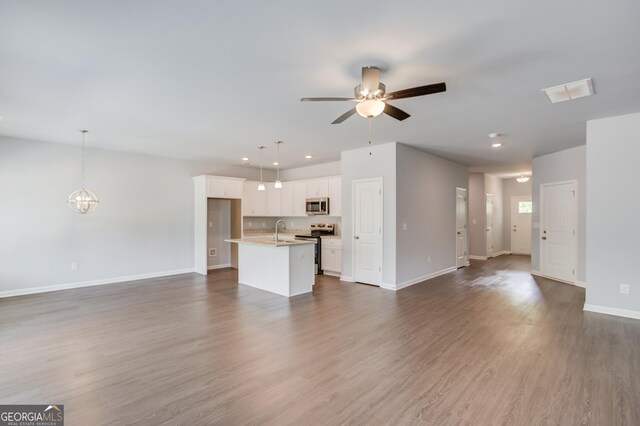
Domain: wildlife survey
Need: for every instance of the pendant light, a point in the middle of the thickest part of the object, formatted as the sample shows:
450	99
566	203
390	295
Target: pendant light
83	201
278	184
261	184
523	178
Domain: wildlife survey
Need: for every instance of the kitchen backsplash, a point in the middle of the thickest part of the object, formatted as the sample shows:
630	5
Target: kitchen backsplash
293	223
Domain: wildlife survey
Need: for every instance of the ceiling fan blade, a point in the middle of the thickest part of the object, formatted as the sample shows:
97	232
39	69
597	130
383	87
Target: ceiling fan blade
344	116
326	99
394	112
370	78
417	91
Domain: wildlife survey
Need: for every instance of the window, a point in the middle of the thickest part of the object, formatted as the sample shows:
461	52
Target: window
525	207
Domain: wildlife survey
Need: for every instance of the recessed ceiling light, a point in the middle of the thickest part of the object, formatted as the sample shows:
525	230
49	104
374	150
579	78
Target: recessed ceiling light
494	135
496	145
275	163
569	91
308	157
245	159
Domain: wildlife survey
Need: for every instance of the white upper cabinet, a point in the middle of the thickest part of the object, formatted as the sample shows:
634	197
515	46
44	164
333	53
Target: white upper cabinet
273	200
317	188
335	196
299	198
286	199
223	187
254	202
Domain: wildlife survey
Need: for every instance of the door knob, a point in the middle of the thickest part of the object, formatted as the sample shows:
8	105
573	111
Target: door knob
459	233
544	238
356	237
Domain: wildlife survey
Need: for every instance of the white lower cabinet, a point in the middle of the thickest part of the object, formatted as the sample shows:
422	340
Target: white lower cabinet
331	254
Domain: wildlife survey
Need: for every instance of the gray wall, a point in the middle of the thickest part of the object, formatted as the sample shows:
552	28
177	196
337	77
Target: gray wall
493	185
561	166
426	203
358	164
511	188
143	225
613	230
312	171
218	229
477	216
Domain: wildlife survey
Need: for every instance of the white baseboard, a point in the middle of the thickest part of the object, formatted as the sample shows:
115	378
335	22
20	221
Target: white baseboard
224	265
331	273
471	257
612	311
576	283
114	280
418	280
500	253
347	279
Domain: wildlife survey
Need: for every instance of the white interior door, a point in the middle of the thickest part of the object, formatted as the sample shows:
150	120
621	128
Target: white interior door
367	227
489	225
558	231
521	210
461	227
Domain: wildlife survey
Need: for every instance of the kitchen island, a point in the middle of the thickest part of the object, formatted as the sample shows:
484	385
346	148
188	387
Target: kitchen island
282	267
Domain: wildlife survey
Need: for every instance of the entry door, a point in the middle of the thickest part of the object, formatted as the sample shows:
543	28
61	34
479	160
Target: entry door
521	210
461	227
558	231
489	225
367	226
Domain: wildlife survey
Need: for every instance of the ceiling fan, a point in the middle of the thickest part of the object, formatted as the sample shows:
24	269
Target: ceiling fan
372	100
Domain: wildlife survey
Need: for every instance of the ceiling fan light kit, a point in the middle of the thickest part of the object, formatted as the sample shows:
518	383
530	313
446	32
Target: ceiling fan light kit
373	100
523	178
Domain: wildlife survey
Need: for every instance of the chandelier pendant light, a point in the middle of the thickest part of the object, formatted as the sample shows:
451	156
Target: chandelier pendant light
261	186
278	183
82	200
522	178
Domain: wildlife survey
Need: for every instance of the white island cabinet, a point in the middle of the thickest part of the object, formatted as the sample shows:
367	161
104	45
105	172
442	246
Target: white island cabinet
285	268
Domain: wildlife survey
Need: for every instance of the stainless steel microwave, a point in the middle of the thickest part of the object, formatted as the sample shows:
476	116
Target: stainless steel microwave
317	206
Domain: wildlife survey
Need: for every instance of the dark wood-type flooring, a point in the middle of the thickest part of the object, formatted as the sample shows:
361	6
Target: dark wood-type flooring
488	344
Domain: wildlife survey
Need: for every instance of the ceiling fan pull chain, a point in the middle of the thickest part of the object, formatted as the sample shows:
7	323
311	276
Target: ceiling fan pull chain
369	120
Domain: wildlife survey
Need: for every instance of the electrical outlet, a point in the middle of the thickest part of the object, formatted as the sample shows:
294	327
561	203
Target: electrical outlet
624	288
264	223
404	226
250	224
213	252
473	221
74	266
210	224
428	259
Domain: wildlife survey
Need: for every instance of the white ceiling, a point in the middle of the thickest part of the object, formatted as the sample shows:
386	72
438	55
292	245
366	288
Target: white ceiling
213	79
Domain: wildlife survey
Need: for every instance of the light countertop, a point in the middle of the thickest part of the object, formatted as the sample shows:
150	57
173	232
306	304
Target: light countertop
266	241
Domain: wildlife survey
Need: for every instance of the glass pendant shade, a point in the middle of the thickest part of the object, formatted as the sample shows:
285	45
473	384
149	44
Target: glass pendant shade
277	185
370	108
523	179
261	186
83	201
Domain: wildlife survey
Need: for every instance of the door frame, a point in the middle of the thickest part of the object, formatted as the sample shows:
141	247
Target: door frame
511	214
353	228
466	227
575	222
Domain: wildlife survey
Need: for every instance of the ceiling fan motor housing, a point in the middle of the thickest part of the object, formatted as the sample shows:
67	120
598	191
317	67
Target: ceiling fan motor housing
362	93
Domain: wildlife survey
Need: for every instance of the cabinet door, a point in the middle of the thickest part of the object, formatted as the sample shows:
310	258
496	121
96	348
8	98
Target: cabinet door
232	189
222	188
335	196
299	198
332	259
254	202
215	187
286	199
318	188
273	200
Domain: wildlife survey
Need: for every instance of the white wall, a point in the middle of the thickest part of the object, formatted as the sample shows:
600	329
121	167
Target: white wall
569	164
477	216
313	171
493	185
613	229
143	225
218	229
426	203
512	188
358	164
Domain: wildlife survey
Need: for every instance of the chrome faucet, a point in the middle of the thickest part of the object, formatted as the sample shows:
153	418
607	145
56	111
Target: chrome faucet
284	226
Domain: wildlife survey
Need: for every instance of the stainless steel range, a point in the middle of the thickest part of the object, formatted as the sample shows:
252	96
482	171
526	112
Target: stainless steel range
315	233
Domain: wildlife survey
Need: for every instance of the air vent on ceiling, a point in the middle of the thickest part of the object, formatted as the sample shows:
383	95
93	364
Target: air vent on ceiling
569	91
